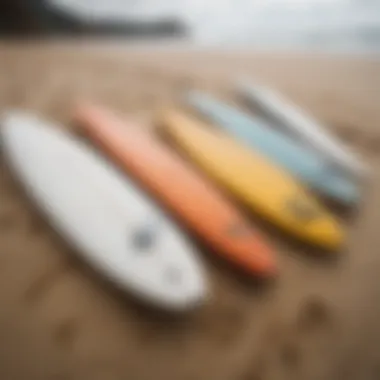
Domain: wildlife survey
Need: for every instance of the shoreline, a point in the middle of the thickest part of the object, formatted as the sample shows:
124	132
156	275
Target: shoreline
177	46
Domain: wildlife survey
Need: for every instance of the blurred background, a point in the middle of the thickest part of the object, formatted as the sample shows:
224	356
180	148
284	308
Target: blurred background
344	25
321	319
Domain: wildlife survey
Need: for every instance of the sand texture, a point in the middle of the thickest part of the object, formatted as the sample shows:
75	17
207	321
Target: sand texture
319	320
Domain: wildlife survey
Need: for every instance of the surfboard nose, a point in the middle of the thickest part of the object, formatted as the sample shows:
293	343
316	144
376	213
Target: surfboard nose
268	269
15	122
183	290
327	233
9	119
343	189
265	265
13	117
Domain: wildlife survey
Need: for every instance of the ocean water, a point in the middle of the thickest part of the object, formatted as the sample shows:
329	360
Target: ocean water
338	25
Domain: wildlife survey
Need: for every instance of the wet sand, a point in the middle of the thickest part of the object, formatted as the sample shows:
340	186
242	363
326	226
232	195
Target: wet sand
319	320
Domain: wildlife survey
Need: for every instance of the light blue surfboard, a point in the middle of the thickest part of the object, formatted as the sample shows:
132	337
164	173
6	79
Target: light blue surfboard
279	148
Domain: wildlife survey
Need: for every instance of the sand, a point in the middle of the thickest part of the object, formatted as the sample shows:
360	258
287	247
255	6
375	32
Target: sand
319	320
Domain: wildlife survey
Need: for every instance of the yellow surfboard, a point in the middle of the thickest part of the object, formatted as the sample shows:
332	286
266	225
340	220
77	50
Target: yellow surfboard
263	187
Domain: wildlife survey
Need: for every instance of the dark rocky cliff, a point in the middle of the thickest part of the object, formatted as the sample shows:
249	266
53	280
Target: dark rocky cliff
39	18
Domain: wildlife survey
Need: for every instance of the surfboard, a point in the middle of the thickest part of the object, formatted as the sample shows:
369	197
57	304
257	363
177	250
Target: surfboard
303	164
264	188
191	198
303	127
114	227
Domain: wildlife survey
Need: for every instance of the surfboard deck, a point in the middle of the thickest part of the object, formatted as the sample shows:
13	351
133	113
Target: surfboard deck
303	127
266	189
111	224
303	164
191	198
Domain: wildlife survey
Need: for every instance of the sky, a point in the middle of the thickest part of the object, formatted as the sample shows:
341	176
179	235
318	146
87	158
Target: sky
122	8
248	21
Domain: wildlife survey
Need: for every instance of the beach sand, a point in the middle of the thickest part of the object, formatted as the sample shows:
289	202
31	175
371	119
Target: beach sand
319	320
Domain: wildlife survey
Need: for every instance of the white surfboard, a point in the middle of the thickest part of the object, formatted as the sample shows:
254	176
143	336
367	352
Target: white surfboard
302	126
116	229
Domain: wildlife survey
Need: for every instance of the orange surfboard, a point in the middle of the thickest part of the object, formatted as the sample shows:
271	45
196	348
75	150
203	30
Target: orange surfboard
190	197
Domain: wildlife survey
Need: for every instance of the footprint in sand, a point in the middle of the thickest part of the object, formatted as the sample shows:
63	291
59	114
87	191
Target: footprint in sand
261	366
284	358
65	333
224	326
290	356
285	352
313	315
44	283
36	226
